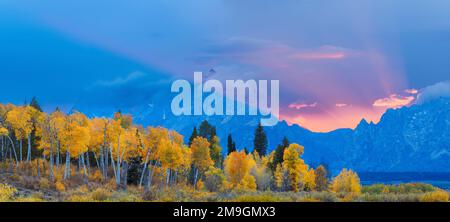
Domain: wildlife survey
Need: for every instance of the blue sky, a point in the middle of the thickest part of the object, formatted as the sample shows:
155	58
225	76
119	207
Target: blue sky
337	61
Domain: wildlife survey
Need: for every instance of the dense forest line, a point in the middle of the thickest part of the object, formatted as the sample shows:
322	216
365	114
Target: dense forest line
69	155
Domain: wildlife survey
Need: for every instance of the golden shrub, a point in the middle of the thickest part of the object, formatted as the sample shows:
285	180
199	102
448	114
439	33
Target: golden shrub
44	183
60	186
101	194
6	192
435	196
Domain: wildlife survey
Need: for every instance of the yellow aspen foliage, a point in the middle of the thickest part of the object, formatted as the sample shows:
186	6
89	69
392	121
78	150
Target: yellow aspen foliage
170	154
309	180
3	131
75	135
279	177
98	127
201	157
152	138
294	165
248	183
115	132
347	182
58	121
131	144
238	166
186	159
20	120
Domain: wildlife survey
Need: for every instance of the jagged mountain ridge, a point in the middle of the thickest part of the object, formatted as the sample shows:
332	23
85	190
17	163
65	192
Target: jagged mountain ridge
414	138
408	139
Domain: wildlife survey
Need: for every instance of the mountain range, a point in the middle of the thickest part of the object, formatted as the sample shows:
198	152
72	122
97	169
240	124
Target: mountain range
415	138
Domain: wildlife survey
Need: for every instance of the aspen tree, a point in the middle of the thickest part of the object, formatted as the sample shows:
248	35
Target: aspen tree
201	158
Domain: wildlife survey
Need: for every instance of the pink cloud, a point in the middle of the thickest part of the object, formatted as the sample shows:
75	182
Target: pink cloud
411	91
326	52
301	105
341	105
393	101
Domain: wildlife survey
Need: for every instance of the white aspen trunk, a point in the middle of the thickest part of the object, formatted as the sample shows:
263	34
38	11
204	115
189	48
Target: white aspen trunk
195	177
29	149
13	149
112	162
20	149
67	166
51	161
57	154
143	168
168	177
38	168
88	163
3	146
118	161
84	164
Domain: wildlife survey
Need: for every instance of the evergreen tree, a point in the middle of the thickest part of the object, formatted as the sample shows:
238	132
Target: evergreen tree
193	136
34	103
260	141
206	130
230	145
33	138
279	152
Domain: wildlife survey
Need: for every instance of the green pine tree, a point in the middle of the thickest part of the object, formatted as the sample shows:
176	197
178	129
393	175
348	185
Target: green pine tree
260	141
193	136
279	152
230	147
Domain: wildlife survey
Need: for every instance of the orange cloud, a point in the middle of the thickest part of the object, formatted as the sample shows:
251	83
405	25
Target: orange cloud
393	101
301	105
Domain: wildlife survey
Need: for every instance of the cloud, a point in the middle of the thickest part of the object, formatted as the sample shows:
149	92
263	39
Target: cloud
122	80
441	89
411	91
130	90
302	105
341	105
393	101
326	52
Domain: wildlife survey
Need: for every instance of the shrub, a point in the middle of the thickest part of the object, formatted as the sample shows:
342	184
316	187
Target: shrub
214	179
6	192
101	194
260	198
199	185
96	176
44	183
35	197
60	186
435	196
